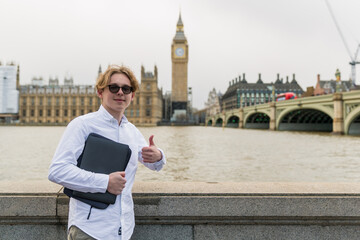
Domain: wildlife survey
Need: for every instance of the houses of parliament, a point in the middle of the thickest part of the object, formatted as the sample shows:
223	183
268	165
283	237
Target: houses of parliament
56	104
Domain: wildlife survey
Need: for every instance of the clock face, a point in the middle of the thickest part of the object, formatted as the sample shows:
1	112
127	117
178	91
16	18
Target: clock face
179	51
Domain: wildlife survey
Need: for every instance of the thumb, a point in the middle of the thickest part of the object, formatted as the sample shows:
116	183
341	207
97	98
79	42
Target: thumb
151	141
122	174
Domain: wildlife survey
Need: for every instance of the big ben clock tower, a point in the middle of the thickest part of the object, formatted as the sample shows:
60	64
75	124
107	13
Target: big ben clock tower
179	57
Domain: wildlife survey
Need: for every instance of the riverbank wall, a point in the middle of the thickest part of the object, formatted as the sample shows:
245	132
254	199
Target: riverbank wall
198	211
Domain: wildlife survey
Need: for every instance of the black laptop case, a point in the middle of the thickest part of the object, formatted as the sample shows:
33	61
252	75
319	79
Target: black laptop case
102	155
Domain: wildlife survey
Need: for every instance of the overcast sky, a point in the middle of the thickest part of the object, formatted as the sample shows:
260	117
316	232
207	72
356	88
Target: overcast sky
226	39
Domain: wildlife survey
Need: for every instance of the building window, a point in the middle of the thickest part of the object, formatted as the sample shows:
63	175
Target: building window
137	112
148	100
57	112
148	86
40	112
49	113
66	101
137	100
65	112
82	101
24	101
82	111
49	101
24	113
90	101
32	112
41	101
74	112
74	101
131	112
148	112
32	101
57	101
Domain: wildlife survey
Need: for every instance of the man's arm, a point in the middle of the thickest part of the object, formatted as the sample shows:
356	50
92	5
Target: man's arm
151	156
63	169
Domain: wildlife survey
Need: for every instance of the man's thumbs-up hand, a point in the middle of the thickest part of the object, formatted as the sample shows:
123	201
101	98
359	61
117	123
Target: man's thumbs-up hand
151	153
151	141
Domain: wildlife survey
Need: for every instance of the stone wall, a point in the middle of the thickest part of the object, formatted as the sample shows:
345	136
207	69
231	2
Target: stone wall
200	211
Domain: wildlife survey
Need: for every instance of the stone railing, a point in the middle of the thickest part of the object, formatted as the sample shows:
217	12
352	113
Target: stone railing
186	210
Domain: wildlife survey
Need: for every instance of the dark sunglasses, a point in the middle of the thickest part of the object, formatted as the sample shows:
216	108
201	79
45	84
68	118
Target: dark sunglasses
115	89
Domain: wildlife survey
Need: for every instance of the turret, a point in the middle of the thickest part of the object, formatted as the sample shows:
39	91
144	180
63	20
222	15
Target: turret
100	71
259	80
142	71
294	81
155	71
244	80
179	25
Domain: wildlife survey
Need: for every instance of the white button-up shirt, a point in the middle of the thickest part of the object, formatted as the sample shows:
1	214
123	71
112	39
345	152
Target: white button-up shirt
117	220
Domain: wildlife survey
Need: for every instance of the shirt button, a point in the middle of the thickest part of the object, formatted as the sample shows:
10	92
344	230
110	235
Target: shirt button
119	233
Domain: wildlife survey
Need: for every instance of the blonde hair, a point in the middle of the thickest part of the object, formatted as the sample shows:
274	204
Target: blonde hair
104	78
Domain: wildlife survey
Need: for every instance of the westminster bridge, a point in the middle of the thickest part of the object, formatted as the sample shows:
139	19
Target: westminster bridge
338	113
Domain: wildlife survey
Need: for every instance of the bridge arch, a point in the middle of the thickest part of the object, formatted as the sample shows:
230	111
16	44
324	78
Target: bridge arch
233	121
326	110
352	122
210	122
305	119
257	120
219	122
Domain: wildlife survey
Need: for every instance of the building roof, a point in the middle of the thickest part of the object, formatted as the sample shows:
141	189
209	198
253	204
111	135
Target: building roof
180	23
180	35
148	75
331	85
261	87
180	30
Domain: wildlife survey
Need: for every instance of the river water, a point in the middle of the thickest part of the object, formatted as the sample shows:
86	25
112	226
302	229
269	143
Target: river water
204	154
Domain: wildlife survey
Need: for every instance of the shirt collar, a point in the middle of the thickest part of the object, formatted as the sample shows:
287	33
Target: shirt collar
108	117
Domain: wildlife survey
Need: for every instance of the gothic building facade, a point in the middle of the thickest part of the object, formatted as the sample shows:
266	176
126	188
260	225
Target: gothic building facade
146	107
56	104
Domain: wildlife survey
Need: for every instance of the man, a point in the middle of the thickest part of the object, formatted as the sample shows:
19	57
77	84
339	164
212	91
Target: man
116	87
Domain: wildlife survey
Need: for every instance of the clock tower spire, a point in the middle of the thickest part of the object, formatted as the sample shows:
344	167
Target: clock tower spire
179	57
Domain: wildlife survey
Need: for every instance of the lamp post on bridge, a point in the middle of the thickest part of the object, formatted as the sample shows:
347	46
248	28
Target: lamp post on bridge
338	79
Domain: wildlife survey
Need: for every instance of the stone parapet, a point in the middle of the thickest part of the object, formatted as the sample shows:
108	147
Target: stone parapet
189	210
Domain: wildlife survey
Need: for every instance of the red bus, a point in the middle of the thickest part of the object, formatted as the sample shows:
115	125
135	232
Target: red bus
285	96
